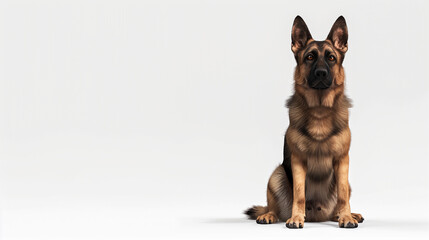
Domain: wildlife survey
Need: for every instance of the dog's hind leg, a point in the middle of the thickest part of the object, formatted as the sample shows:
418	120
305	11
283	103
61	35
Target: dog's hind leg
271	215
279	199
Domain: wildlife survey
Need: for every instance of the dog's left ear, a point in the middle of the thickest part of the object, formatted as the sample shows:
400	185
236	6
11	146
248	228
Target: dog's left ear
339	34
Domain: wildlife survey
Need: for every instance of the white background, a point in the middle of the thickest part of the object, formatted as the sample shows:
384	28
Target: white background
165	119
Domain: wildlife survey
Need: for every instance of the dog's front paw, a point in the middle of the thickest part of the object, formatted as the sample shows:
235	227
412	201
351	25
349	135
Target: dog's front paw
296	221
347	221
358	217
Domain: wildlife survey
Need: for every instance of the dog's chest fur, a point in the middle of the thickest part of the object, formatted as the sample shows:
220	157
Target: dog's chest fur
320	124
319	135
318	132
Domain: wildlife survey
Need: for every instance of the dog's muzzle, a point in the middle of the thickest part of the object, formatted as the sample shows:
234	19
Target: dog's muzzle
321	79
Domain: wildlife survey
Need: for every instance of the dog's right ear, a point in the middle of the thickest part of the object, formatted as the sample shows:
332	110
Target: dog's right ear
300	34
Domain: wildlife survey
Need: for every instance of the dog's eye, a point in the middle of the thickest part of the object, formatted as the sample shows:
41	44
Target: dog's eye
310	57
331	58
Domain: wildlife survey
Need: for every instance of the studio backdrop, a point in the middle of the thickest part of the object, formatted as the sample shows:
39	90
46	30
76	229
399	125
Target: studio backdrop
164	119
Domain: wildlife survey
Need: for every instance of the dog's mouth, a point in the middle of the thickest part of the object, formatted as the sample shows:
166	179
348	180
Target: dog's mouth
320	84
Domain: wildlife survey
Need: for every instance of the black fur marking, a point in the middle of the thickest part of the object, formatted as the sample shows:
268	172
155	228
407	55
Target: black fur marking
287	165
319	176
303	130
250	212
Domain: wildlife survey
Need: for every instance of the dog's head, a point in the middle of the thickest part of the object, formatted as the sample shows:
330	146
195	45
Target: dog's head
319	63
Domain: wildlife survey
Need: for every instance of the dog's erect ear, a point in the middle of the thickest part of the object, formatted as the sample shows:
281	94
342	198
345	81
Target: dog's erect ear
300	34
339	34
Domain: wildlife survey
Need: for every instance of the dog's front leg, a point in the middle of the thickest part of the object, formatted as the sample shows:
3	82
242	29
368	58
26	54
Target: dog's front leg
345	218
299	171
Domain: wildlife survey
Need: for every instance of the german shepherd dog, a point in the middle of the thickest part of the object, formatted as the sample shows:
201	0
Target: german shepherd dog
312	183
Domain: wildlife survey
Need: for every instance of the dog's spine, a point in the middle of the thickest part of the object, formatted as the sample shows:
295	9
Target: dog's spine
255	211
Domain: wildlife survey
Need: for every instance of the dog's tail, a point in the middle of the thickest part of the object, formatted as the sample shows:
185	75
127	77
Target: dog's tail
255	211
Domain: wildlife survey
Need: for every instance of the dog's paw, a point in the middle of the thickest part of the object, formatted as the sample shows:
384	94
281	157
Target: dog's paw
267	218
296	221
358	217
347	221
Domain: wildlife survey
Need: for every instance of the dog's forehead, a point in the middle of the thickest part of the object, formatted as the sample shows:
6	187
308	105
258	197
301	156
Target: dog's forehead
319	46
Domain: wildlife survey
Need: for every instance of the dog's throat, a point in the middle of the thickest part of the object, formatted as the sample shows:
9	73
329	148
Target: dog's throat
320	98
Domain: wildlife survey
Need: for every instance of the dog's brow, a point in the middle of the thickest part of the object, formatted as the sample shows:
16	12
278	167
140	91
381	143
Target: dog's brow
328	47
312	48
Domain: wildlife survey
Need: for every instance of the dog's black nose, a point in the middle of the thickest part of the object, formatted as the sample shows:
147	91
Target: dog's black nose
321	72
